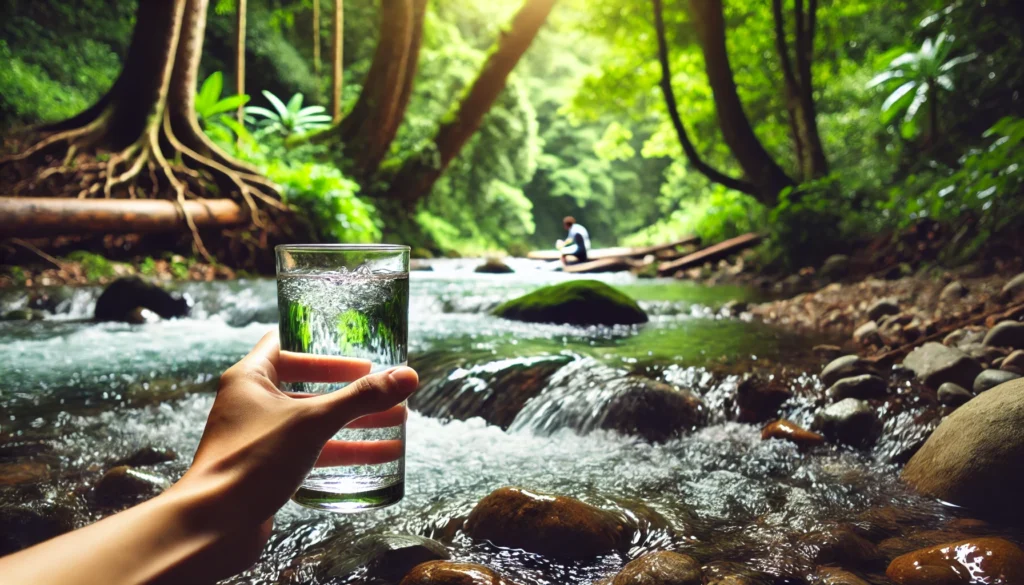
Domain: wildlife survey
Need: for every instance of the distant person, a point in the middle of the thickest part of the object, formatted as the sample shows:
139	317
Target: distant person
576	244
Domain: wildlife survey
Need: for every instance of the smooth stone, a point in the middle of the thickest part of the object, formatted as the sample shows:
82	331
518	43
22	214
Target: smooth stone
451	573
23	315
934	364
22	473
1014	362
729	573
845	367
759	398
835	267
866	333
989	379
493	266
837	576
1006	334
122	297
826	351
660	568
555	526
862	387
840	545
973	458
953	291
952	394
977	560
963	336
789	431
735	307
850	421
384	557
123	485
577	302
881	308
147	456
653	410
983	353
1013	289
23	525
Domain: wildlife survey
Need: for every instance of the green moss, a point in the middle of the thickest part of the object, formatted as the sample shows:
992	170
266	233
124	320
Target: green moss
96	267
579	302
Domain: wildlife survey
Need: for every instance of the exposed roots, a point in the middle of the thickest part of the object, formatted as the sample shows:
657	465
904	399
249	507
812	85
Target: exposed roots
73	163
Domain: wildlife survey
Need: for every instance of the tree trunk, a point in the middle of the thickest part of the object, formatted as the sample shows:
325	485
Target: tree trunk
692	155
758	166
240	57
419	173
316	39
339	52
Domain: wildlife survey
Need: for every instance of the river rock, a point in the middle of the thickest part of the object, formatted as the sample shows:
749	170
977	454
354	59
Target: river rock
849	421
23	472
1006	334
862	387
23	315
953	291
973	459
977	560
729	573
555	526
881	308
964	336
123	485
827	351
952	394
866	333
577	302
835	267
989	379
845	367
493	266
759	398
1014	362
789	431
735	307
449	573
1013	289
653	410
23	525
384	557
123	296
660	568
935	364
839	544
147	456
837	576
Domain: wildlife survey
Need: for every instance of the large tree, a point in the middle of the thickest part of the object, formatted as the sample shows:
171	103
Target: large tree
419	172
142	138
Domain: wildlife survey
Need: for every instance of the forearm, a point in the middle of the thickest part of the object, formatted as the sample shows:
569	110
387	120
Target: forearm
161	540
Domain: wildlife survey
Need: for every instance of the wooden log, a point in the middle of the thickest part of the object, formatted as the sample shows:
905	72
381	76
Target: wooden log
601	253
51	216
711	253
617	264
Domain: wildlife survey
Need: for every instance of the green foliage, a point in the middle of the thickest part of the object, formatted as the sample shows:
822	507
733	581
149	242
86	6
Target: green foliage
94	266
209	102
329	200
287	119
148	266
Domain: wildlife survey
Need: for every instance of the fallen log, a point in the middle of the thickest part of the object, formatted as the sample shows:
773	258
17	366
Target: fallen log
711	253
603	265
601	253
51	216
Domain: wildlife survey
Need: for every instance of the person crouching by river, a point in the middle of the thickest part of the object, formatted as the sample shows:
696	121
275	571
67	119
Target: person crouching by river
575	244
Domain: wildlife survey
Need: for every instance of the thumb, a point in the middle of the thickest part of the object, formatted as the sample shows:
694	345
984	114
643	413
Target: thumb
367	395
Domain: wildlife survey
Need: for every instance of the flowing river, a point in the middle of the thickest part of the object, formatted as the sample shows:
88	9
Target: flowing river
76	396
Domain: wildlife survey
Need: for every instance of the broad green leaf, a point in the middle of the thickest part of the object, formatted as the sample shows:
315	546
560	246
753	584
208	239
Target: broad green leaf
920	97
211	89
945	82
263	112
883	77
295	103
957	61
895	98
311	110
228	104
282	110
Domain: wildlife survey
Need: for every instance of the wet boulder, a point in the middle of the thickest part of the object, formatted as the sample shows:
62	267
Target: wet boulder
837	576
976	560
935	364
450	573
147	456
841	545
555	526
759	398
653	410
1013	289
989	379
577	302
660	568
952	394
493	266
862	387
847	366
729	573
383	557
123	486
122	298
24	472
866	333
789	431
23	315
835	267
1006	334
850	421
973	459
881	308
23	523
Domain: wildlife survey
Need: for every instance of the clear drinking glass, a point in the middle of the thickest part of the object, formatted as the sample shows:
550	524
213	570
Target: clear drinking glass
352	301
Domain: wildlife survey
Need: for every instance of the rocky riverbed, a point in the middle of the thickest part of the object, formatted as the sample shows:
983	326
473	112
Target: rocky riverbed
701	447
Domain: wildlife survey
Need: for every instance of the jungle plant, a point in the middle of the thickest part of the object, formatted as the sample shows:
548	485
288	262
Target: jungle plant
921	75
211	107
287	119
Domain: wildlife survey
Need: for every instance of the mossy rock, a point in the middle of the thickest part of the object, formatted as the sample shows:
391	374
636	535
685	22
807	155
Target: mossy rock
578	302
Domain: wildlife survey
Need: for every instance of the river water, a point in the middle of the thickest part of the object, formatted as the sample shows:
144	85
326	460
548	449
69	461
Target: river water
76	396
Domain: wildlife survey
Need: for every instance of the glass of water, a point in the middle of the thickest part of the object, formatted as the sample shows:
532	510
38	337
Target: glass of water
351	301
